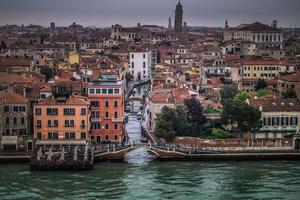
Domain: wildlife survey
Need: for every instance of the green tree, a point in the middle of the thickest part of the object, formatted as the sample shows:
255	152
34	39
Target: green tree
228	92
261	84
195	114
165	123
289	93
263	92
182	126
219	133
242	96
245	117
47	72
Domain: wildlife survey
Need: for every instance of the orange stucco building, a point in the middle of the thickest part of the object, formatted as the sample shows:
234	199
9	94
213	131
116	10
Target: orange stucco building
62	120
107	110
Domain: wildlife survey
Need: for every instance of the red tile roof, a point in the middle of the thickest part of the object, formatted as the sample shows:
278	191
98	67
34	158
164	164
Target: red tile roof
276	105
12	97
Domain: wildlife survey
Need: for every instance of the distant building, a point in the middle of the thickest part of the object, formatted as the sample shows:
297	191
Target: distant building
107	110
166	97
289	81
52	27
170	23
140	63
14	119
178	17
280	117
260	34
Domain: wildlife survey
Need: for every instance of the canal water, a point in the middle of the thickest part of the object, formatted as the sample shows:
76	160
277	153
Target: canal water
141	178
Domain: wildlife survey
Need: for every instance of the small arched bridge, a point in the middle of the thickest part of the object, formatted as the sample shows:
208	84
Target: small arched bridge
131	99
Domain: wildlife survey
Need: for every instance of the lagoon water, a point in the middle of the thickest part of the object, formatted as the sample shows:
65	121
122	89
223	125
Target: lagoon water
140	177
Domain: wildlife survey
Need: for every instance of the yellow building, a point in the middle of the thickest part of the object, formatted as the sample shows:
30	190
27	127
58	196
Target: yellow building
267	69
74	57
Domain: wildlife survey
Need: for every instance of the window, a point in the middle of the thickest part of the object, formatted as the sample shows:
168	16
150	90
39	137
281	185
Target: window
52	135
106	114
95	126
116	137
22	120
144	56
69	123
7	131
116	114
104	91
106	104
16	108
294	121
69	135
39	135
106	137
106	126
52	111
6	108
92	138
95	115
83	135
95	104
116	126
110	91
132	56
22	109
144	64
38	111
92	91
275	121
115	104
116	91
132	65
284	121
69	111
38	123
82	123
15	120
49	123
55	123
83	111
7	120
98	139
98	91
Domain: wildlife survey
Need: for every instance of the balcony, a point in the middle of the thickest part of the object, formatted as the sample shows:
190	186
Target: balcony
94	119
116	120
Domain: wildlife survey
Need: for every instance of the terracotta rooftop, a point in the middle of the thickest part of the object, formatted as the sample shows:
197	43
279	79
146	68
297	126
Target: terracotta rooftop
11	78
257	27
294	77
276	105
12	97
73	100
176	95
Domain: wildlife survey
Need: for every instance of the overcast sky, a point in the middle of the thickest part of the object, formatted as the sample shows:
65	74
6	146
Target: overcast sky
103	13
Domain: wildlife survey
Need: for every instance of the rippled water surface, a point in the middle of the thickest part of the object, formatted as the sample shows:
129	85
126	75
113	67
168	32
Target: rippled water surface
141	178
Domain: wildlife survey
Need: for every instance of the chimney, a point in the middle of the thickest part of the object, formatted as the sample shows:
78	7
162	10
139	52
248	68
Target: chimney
24	91
138	24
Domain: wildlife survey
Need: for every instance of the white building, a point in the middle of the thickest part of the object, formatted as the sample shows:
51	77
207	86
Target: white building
140	63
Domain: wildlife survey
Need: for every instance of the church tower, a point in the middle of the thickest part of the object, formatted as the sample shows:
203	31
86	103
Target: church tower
178	17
